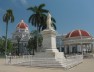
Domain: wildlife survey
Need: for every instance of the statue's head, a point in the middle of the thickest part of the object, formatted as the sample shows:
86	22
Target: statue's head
49	15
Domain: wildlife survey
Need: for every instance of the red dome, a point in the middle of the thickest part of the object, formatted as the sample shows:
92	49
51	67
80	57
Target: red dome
22	25
77	33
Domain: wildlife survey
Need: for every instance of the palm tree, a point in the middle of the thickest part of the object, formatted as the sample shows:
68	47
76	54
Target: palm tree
8	16
37	17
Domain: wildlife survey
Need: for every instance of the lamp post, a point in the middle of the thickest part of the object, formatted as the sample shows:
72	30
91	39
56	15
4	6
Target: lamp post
18	40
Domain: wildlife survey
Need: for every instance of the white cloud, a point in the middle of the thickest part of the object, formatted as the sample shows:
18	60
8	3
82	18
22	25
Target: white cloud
17	2
24	2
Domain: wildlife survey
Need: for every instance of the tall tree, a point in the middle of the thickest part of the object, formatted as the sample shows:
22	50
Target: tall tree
8	16
37	17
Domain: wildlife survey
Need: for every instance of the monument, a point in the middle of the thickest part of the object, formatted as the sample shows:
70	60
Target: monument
49	56
49	37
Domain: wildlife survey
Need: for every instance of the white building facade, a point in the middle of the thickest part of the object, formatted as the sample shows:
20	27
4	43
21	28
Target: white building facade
21	37
76	42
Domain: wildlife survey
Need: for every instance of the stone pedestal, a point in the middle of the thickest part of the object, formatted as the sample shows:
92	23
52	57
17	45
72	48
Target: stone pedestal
49	40
49	44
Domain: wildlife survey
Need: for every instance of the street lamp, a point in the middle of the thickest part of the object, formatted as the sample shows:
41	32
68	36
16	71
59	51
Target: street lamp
18	38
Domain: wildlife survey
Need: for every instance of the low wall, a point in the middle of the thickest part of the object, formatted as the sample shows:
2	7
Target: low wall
45	62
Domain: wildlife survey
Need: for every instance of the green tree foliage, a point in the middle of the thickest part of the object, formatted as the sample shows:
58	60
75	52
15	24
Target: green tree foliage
2	45
9	46
32	43
39	17
39	36
8	16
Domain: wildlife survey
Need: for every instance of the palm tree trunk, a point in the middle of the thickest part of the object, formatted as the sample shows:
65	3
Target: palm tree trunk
6	39
37	38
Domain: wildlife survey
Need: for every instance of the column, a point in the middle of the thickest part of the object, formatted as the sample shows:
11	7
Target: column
65	49
70	49
92	48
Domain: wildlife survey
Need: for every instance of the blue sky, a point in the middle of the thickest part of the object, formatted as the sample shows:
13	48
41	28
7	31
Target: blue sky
69	14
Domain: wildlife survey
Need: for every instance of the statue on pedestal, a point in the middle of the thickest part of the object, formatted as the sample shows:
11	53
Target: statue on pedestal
49	22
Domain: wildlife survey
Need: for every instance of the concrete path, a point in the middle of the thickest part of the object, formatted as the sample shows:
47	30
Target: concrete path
86	66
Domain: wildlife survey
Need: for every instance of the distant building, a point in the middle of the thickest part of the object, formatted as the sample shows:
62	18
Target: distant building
21	35
76	41
59	43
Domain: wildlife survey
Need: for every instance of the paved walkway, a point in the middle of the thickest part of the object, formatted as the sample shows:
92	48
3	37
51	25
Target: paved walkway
86	66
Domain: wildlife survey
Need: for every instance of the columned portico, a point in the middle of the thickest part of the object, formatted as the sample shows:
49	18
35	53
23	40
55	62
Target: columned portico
78	42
